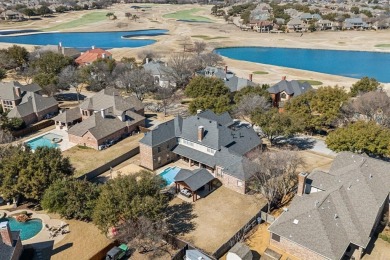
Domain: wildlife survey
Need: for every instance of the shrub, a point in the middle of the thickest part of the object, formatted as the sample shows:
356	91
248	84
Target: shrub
22	218
385	238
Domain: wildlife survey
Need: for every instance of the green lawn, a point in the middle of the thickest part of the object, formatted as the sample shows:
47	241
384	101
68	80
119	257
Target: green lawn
85	19
188	15
386	45
258	72
207	38
311	82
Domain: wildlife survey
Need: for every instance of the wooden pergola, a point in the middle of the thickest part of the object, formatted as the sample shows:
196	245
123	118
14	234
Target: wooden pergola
193	181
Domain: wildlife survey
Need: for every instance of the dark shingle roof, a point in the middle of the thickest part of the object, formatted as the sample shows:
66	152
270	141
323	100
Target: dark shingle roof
292	87
68	116
8	91
32	103
344	212
242	251
195	179
6	252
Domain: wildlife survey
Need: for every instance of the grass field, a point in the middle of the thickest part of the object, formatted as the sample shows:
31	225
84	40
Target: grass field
386	45
258	72
188	15
311	82
85	19
207	38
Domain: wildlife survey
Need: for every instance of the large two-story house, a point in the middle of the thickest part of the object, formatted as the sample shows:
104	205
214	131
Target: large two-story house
105	117
335	213
161	72
26	102
205	140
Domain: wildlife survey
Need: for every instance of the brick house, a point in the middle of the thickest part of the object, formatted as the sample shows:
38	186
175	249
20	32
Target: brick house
205	140
11	247
105	117
284	90
25	102
335	214
92	55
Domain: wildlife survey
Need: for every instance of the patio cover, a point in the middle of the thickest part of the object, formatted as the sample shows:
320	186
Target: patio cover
194	179
194	155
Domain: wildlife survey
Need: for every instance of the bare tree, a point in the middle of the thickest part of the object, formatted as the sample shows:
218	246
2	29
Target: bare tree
68	78
180	69
165	96
211	59
148	54
5	137
273	174
199	47
186	42
248	104
143	234
98	75
139	81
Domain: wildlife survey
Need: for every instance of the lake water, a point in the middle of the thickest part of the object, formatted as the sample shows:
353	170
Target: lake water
354	64
84	40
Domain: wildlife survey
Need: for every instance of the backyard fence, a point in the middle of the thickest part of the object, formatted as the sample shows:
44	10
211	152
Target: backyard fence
183	245
107	166
239	235
103	252
33	128
267	217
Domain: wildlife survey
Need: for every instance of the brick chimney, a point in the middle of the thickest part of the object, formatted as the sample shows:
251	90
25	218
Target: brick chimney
18	92
284	78
5	233
200	133
301	183
102	113
226	67
250	77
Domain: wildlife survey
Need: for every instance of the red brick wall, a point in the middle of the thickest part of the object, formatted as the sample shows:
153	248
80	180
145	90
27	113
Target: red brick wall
146	156
150	155
30	119
295	249
231	182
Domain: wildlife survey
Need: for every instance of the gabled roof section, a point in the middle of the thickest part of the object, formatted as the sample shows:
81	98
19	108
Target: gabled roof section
32	103
8	90
68	116
345	211
92	55
194	179
162	133
292	87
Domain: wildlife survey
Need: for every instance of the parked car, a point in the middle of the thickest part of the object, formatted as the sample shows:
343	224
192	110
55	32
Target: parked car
118	252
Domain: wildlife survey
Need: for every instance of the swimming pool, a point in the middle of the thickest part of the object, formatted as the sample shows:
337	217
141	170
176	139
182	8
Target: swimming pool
354	64
44	141
85	40
27	229
169	174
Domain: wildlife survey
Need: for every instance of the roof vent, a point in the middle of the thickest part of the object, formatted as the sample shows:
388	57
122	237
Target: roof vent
336	216
296	221
316	203
350	185
285	209
371	176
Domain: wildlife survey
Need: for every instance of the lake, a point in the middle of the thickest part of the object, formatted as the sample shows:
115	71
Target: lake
84	40
354	64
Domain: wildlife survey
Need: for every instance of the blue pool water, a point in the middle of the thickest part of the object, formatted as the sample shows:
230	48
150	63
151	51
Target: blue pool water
43	141
354	64
27	229
169	174
85	40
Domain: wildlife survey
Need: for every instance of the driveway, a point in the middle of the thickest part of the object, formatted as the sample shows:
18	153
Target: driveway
304	142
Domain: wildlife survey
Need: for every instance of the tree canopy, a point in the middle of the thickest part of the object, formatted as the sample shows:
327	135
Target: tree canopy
219	104
364	85
260	90
204	87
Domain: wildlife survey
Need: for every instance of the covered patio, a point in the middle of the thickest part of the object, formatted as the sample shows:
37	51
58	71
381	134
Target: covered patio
68	118
195	158
192	183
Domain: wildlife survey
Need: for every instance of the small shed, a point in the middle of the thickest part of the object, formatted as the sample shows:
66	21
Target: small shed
239	251
193	254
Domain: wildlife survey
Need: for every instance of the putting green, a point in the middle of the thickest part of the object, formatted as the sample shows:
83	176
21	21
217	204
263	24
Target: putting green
311	82
387	45
188	15
258	72
85	19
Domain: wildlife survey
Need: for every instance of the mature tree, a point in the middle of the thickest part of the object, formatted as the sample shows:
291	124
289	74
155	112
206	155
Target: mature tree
28	12
98	75
218	104
180	69
51	63
165	96
148	55
5	136
61	9
127	198
355	10
6	62
18	55
204	86
274	124
370	106
249	104
31	173
43	10
364	85
128	15
110	15
138	81
48	82
3	74
11	124
258	90
210	59
199	47
274	174
69	77
360	137
71	198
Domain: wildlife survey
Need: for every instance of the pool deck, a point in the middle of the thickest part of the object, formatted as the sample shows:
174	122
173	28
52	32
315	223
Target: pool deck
63	145
44	235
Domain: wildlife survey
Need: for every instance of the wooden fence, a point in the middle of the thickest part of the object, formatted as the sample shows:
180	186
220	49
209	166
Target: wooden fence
107	166
33	128
103	252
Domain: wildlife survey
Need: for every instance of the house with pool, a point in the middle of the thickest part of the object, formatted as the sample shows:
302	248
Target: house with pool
102	119
206	140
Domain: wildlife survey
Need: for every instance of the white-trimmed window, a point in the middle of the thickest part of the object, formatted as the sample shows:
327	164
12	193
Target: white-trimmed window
239	183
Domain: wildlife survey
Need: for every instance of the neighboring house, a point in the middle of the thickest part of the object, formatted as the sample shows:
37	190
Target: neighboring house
297	25
233	82
106	117
263	26
11	247
161	73
25	102
323	25
205	140
194	254
308	17
10	15
355	23
284	90
69	52
335	214
92	55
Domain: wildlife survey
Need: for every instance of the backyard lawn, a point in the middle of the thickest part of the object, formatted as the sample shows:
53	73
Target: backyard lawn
210	222
85	159
85	19
188	14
